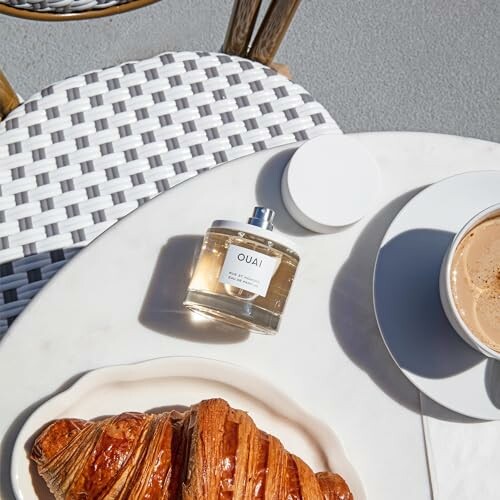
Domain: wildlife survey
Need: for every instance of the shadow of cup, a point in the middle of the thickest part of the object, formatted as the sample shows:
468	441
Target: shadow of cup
492	381
409	308
402	265
163	310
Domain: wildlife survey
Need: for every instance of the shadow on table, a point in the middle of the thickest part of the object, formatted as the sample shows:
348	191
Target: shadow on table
409	308
404	259
162	309
492	381
7	447
268	192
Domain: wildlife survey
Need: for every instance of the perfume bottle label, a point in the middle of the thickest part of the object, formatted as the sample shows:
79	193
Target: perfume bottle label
247	269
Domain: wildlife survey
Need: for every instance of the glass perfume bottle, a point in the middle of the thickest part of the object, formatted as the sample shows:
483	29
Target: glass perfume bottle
244	273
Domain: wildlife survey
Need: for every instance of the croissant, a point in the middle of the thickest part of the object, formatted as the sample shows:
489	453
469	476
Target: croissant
209	452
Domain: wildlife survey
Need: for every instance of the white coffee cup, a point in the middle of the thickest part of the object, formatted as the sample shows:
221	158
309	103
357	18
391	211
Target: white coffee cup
445	289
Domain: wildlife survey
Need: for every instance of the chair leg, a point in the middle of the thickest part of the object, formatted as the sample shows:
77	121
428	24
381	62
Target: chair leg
8	98
272	30
241	25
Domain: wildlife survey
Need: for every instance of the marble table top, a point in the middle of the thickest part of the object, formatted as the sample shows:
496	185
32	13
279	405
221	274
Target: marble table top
119	301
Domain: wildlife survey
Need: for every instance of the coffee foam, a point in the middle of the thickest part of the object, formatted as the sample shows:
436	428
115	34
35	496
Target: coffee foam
475	281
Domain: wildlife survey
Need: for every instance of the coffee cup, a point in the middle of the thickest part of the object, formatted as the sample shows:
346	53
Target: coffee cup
458	315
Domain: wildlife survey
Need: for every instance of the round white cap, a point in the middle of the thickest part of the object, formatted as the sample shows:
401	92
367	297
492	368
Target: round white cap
331	181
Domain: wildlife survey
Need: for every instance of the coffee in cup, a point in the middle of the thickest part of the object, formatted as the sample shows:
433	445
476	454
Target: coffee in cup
469	283
475	281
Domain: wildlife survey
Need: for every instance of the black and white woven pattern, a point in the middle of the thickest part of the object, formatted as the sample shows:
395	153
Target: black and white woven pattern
88	150
63	6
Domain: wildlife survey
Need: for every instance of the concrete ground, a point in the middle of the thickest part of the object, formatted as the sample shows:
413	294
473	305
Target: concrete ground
426	65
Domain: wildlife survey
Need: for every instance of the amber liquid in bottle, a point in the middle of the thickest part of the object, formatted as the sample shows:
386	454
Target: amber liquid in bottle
236	306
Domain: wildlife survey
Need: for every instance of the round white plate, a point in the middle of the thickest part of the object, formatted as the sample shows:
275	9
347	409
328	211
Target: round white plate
181	382
406	296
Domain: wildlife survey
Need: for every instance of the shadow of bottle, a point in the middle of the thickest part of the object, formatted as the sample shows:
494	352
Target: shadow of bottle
162	309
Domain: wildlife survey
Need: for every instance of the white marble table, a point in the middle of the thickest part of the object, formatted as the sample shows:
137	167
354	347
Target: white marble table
120	299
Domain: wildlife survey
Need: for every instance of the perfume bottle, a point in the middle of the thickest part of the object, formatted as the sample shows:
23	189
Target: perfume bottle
244	273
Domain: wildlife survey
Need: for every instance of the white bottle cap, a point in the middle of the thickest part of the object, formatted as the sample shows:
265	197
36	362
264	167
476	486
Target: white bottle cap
330	182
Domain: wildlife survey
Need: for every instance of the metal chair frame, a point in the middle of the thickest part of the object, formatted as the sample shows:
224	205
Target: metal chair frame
237	41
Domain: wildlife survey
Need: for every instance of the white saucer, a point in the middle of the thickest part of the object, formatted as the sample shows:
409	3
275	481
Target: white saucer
406	297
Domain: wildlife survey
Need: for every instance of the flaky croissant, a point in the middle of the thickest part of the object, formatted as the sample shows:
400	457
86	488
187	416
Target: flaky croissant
209	452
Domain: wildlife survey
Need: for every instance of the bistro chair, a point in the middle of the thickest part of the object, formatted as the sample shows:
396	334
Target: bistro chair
84	152
68	10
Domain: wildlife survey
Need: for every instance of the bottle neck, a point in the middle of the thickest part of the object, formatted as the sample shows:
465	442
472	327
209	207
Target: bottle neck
255	230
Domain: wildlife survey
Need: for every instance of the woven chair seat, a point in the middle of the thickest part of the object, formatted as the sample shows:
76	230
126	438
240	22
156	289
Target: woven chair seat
63	6
84	152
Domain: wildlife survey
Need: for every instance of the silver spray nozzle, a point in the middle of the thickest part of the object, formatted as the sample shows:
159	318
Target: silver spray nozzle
262	217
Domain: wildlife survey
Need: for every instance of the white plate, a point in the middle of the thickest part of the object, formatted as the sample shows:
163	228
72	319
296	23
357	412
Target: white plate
181	381
406	296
